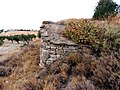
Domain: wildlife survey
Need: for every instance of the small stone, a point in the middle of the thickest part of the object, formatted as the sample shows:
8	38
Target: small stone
70	43
58	56
43	26
44	54
42	30
66	48
60	48
48	62
53	56
46	39
45	34
72	47
52	52
60	52
47	47
53	48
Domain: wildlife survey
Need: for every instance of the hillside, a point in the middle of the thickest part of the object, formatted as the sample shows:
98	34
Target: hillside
95	67
21	68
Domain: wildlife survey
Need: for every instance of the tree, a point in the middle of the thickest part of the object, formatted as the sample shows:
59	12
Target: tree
26	38
17	38
104	9
11	38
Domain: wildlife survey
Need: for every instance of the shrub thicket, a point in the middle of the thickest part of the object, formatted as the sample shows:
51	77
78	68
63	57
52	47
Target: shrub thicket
112	38
18	38
25	38
82	31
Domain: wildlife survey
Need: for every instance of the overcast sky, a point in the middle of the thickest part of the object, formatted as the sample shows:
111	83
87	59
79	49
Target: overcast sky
29	14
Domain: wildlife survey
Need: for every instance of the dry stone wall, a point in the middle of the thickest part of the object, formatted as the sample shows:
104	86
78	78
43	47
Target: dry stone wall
53	45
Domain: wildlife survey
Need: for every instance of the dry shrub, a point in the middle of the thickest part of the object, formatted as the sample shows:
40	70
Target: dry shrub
1	85
74	72
24	66
86	73
82	31
106	74
30	85
4	71
51	83
114	19
73	59
112	38
81	85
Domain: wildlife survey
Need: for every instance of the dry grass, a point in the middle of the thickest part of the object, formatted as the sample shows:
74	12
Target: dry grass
82	72
24	68
18	33
77	71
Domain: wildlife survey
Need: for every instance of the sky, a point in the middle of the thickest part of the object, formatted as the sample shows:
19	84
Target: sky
29	14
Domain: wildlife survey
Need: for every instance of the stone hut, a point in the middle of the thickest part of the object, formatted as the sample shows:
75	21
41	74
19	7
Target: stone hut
53	45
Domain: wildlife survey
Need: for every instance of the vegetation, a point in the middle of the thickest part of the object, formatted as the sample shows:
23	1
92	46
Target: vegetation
104	9
112	38
76	71
95	67
1	40
39	34
1	30
18	38
21	69
83	32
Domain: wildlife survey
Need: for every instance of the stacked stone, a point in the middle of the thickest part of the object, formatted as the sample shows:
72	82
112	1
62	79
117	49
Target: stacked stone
53	45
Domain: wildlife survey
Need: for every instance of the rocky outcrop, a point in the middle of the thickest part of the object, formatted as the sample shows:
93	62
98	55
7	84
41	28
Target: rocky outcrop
53	44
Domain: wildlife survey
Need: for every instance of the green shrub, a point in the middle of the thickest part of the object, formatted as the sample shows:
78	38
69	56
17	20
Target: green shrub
83	32
112	38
